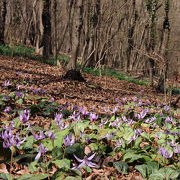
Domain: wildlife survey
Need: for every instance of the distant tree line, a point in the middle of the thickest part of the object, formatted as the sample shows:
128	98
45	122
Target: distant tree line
134	36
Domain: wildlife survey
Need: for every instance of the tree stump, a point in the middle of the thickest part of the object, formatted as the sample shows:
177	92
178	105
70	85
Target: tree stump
74	75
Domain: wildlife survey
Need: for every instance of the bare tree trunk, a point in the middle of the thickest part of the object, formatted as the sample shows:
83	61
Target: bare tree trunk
151	8
69	7
37	29
54	29
77	25
92	22
46	19
2	20
163	49
131	28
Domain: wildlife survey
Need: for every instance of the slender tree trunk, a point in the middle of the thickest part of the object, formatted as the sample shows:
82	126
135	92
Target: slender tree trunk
163	49
152	8
46	19
77	25
3	12
130	36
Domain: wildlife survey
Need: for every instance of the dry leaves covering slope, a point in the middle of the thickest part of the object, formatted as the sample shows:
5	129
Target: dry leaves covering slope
48	78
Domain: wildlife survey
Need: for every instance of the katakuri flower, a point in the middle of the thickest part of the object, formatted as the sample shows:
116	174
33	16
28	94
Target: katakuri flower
93	117
69	140
41	149
163	152
24	116
51	135
86	161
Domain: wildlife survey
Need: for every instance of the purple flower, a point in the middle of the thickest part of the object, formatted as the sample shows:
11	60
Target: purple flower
58	117
167	132
166	108
7	83
132	139
10	140
31	88
140	103
157	136
102	123
81	133
173	144
138	132
83	111
110	136
141	115
18	73
66	105
18	87
153	119
120	104
18	142
41	149
6	97
117	100
75	116
93	117
86	161
24	116
164	153
52	99
161	114
51	135
43	91
103	105
75	107
19	94
114	110
58	120
119	142
130	121
124	99
177	149
69	140
134	98
168	119
7	109
140	92
116	123
124	119
36	90
40	136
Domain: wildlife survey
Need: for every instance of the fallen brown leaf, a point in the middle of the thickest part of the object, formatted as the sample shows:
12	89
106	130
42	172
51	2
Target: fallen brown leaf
3	168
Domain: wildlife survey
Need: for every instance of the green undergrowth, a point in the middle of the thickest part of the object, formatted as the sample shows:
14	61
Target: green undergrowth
19	50
114	73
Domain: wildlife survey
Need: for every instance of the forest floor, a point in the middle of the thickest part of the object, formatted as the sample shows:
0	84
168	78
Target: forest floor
97	91
96	94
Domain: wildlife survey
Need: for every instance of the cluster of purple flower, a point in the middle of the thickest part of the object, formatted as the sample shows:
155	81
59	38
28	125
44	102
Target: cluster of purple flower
9	139
163	152
69	140
24	116
37	90
59	122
